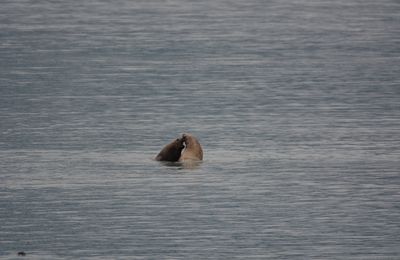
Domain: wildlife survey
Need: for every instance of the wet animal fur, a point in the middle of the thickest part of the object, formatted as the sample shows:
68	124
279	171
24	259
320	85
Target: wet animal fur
193	150
172	151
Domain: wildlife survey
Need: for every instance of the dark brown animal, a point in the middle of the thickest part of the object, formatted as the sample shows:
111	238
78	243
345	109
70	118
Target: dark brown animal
172	151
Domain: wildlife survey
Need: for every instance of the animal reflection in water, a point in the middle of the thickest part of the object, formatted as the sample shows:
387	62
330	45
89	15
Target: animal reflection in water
184	151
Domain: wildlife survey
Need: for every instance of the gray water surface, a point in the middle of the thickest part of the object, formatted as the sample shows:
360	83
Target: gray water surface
296	104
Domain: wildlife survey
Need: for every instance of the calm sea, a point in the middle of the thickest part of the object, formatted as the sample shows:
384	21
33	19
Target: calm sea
296	104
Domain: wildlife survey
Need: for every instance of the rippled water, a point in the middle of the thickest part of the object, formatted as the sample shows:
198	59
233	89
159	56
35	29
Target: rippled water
296	104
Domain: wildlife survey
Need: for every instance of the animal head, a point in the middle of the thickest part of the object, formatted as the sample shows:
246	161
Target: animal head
179	143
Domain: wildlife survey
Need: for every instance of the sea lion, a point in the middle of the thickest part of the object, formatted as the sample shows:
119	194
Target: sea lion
172	151
193	150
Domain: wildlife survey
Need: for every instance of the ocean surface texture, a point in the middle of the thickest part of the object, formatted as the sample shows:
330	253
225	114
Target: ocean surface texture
296	104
